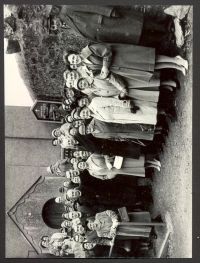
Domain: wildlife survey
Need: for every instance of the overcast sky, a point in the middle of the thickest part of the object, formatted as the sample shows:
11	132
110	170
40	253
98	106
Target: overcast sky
16	93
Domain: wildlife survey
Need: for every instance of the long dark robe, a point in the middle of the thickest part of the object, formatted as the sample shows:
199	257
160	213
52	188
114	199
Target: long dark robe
97	24
118	131
106	147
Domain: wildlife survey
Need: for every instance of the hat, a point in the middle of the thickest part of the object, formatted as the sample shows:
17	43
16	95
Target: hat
49	169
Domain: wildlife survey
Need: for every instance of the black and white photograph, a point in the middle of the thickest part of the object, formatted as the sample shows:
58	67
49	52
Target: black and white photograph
98	131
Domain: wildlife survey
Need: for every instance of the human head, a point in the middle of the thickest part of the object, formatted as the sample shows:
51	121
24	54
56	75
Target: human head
72	173
92	225
72	131
85	113
82	165
66	224
58	199
82	84
55	24
65	107
76	180
66	183
73	160
72	58
78	238
72	215
69	141
83	102
73	193
81	154
77	123
61	189
56	141
79	229
76	114
71	77
69	119
88	245
56	133
69	93
44	241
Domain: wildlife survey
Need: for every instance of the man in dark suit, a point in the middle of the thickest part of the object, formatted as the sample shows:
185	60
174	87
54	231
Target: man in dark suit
110	24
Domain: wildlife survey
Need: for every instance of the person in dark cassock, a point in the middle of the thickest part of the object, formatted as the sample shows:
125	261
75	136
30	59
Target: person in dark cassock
112	24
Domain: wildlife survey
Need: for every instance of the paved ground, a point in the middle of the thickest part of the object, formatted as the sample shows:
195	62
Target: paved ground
172	187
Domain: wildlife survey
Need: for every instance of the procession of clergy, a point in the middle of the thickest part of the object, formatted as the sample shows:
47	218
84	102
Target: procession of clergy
118	99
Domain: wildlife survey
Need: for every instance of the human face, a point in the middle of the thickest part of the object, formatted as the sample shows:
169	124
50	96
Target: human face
66	223
79	229
56	142
82	165
77	123
74	214
89	129
74	59
89	245
73	193
74	173
45	243
70	142
92	225
66	183
82	154
79	238
69	119
81	129
76	179
55	24
57	133
83	84
69	93
83	102
58	200
85	113
72	131
71	77
73	161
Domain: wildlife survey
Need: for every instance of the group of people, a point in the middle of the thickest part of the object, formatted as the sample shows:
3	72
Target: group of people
118	98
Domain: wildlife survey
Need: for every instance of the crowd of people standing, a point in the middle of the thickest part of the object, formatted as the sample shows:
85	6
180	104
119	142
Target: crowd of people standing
118	99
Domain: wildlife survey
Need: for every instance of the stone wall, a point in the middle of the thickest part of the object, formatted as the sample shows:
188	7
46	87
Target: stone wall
28	151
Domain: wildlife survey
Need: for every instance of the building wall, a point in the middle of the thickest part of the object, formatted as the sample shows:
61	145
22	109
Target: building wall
28	151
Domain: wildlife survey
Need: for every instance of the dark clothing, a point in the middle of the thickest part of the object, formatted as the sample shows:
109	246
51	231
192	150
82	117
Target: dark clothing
107	147
111	199
100	26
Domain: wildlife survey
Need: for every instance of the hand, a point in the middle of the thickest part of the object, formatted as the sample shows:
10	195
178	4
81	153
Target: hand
109	166
104	72
115	224
111	243
113	234
123	94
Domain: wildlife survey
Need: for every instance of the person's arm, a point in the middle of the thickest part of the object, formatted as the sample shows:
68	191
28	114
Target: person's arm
108	162
103	51
118	83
